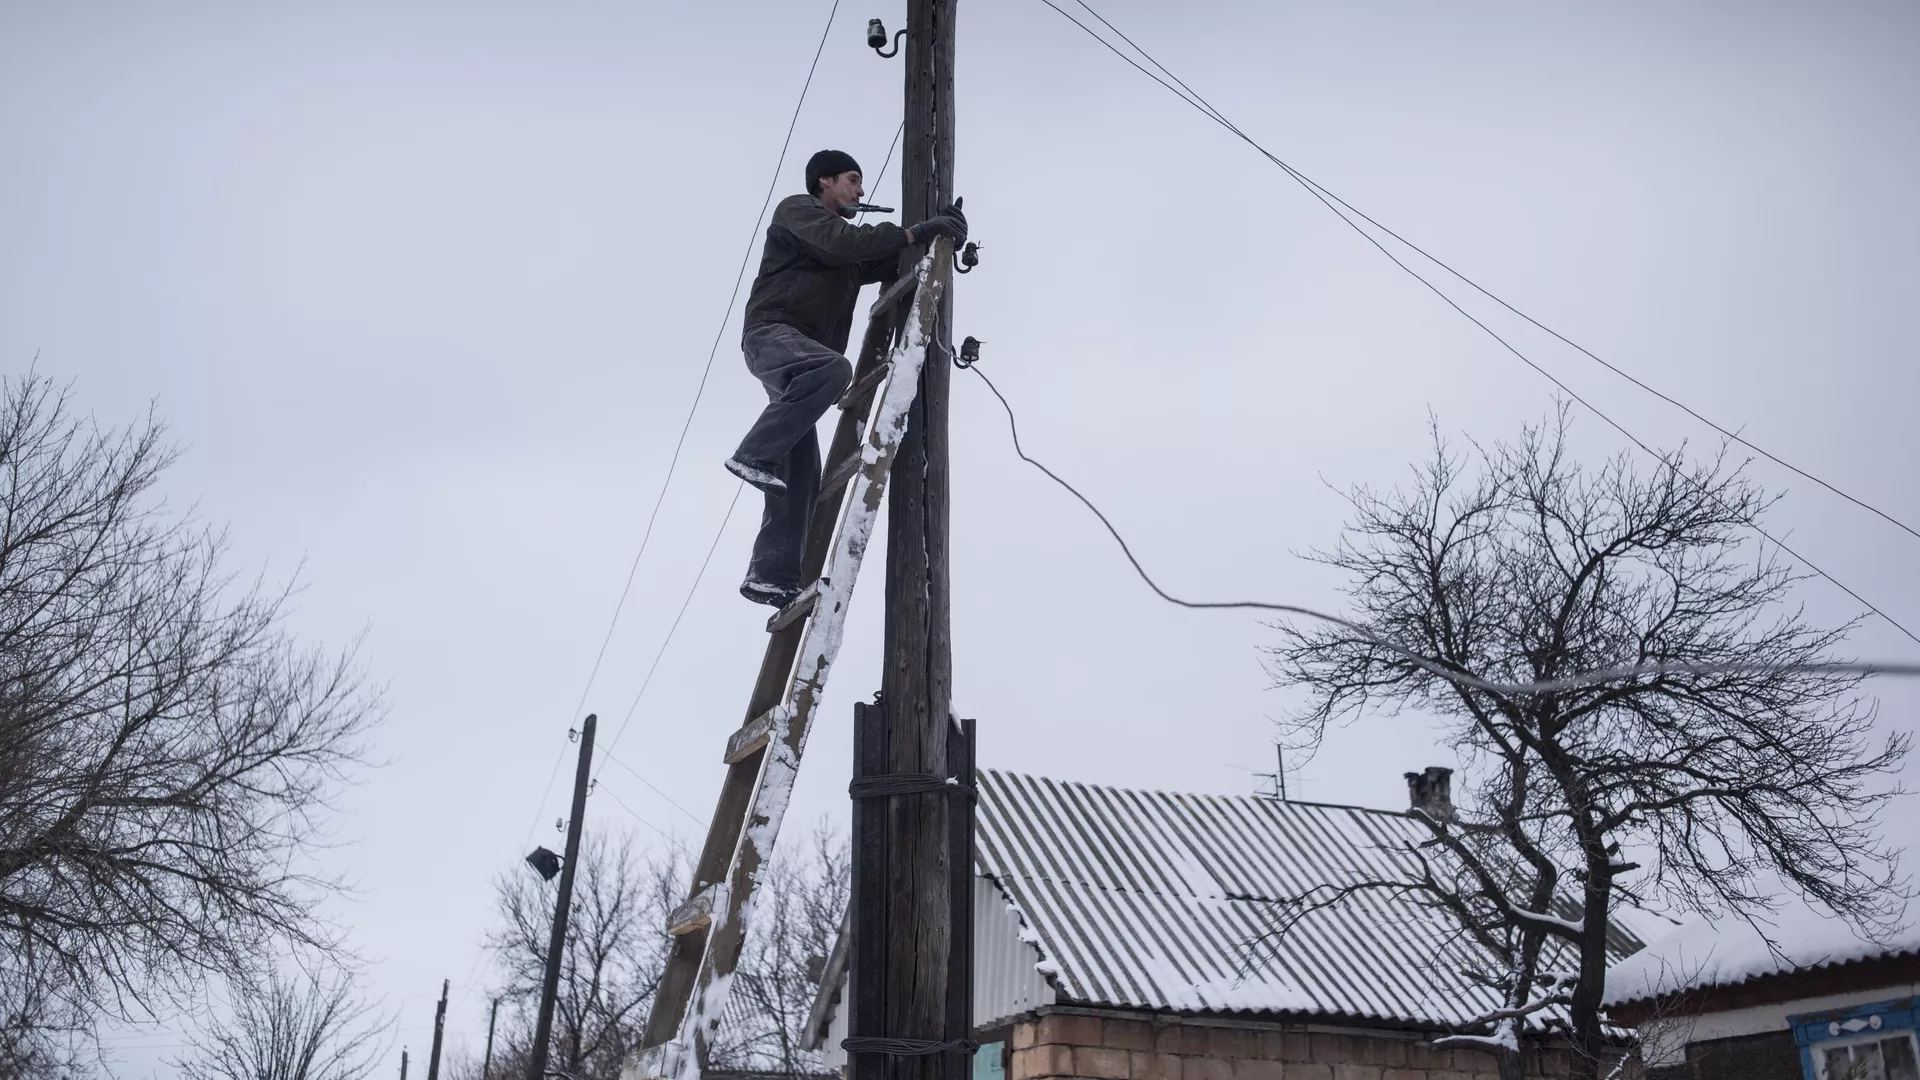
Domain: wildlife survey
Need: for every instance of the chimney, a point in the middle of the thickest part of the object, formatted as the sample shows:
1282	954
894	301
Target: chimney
1431	792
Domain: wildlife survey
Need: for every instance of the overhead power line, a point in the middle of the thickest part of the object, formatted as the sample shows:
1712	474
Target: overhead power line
699	391
691	816
1207	107
681	614
888	160
1329	200
1444	671
664	834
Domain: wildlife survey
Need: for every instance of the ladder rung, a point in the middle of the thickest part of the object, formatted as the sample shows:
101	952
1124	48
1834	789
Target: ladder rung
753	735
697	911
864	385
902	286
801	607
837	478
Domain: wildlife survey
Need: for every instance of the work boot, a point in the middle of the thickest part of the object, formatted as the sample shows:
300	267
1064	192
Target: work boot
758	473
766	592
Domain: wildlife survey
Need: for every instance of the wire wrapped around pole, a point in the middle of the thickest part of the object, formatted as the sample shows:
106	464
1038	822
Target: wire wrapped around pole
905	1047
878	787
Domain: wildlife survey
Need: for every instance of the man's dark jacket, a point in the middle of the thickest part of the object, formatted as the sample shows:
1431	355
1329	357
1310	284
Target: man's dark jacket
813	266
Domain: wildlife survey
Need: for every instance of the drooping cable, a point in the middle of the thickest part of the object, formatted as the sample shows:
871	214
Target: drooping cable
699	392
1328	199
1444	671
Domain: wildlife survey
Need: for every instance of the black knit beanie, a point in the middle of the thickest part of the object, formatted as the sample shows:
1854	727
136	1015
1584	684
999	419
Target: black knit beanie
828	163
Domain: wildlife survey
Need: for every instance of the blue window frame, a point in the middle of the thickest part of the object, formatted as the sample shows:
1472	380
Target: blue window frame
987	1064
1865	1042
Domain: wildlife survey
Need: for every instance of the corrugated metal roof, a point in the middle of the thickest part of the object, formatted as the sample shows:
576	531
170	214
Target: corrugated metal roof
1153	900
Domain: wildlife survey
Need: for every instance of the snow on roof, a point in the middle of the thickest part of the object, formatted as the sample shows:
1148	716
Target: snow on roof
1150	900
1728	950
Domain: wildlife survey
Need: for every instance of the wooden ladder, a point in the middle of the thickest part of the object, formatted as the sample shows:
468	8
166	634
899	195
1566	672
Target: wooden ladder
763	757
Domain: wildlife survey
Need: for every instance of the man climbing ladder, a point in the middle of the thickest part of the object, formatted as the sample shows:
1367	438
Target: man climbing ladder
763	756
799	316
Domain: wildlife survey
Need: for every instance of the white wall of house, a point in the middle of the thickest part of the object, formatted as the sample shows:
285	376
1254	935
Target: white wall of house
1005	981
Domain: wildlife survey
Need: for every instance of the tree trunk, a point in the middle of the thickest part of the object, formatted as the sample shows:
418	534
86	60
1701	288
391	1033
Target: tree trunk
1589	1042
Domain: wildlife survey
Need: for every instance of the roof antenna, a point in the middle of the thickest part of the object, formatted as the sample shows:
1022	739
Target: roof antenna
1278	792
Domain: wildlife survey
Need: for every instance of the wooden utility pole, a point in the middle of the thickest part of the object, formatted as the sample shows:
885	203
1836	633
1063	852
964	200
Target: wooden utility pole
439	1028
917	678
486	1060
403	1063
562	905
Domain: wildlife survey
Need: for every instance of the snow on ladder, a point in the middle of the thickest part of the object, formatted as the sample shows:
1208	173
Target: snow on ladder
764	755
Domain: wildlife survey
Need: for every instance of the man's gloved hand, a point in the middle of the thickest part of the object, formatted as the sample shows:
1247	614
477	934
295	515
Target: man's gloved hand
949	222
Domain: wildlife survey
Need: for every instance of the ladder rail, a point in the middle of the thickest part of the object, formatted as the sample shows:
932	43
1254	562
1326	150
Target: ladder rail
693	990
736	791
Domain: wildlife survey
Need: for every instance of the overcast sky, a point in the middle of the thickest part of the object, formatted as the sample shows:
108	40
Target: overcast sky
425	290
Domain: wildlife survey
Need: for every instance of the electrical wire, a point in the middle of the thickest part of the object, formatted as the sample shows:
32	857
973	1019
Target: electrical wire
681	614
882	174
699	392
1328	199
607	750
664	834
1444	671
691	816
1220	117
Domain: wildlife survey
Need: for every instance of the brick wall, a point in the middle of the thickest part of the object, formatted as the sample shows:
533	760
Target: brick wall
1103	1047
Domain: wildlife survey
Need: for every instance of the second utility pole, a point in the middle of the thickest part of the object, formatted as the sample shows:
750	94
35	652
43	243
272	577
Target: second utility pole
439	1029
917	678
562	906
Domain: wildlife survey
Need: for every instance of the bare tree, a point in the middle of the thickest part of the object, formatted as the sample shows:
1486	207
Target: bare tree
167	750
43	1032
617	945
1696	789
804	898
615	950
307	1028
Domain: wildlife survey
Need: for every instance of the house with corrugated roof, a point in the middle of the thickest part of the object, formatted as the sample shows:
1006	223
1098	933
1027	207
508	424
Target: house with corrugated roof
1797	995
1122	935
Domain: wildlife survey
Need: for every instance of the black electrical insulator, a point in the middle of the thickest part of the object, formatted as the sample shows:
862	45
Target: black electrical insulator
969	353
877	39
968	258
